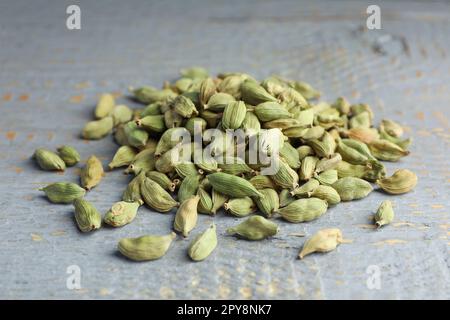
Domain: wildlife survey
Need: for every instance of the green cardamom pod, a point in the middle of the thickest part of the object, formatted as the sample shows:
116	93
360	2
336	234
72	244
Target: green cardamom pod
308	167
186	217
385	214
351	188
218	101
386	150
285	197
305	188
254	94
324	240
254	228
285	176
234	166
146	247
269	203
188	187
218	200
69	155
193	122
121	114
161	179
327	177
63	192
136	137
49	160
156	197
326	193
185	169
123	157
251	123
262	182
207	90
392	128
150	95
143	161
152	123
232	185
303	210
205	203
268	111
240	207
86	215
121	213
290	155
184	107
304	151
133	191
402	181
92	173
234	115
203	245
104	106
98	129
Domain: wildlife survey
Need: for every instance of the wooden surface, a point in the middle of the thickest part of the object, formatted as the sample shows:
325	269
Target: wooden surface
50	78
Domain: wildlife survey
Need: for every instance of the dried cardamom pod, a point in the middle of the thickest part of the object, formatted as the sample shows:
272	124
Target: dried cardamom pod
69	155
305	89
185	169
133	191
235	166
392	128
262	182
219	101
161	179
252	93
184	107
268	111
49	160
104	106
169	139
136	137
186	217
86	216
121	114
402	181
150	95
303	210
123	157
385	214
285	177
92	173
269	203
218	200
285	197
324	240
193	122
304	151
205	204
240	207
366	135
143	161
306	188
121	213
63	192
202	246
232	185
146	247
233	115
251	123
207	90
156	197
386	150
152	123
326	193
290	155
342	105
308	167
98	129
188	187
351	188
254	228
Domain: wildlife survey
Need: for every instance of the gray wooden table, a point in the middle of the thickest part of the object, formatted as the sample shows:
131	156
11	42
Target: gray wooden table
50	78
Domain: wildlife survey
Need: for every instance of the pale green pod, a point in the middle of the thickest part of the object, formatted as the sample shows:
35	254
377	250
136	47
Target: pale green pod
402	181
121	213
402	143
152	109
351	188
146	247
306	188
351	155
285	177
282	124
219	101
325	164
152	123
304	151
149	95
292	97
186	217
285	197
359	146
143	161
274	85
86	215
387	151
359	108
121	114
392	128
313	133
385	214
208	165
308	167
255	228
233	115
240	207
169	139
303	210
119	135
98	129
305	118
183	84
327	177
185	169
324	146
324	240
269	203
362	120
132	192
218	200
184	107
295	132
234	166
207	89
290	155
254	94
342	105
262	182
136	136
48	160
232	85
205	204
92	173
63	192
156	197
251	123
232	185
268	111
203	245
188	187
326	193
196	122
69	155
172	119
123	157
161	179
104	106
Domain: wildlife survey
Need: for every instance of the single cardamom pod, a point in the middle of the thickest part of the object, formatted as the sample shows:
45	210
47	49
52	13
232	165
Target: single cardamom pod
156	197
251	123
218	200
193	122
402	181
305	89
366	135
285	198
185	169
387	151
186	217
184	107
232	185
289	154
254	94
269	203
240	207
342	105
121	114
304	151
86	215
306	188
49	160
143	161
152	123
285	177
262	182
268	111
303	210
207	90
69	155
161	179
218	101
104	106
133	191
326	193
63	192
392	128
325	164
202	246
195	73
98	129
146	247
92	173
205	203
255	228
123	157
327	177
152	109
291	97
308	167
351	188
324	240
136	137
121	213
385	214
188	187
150	95
234	166
234	115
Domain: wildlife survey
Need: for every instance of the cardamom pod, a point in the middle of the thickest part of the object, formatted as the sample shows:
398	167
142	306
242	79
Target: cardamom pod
156	197
269	203
218	200
392	128
205	203
324	240
262	182
219	101
387	151
254	94
152	123
308	167
268	111
207	90
49	160
186	217
303	210
326	193
121	114
161	179
86	215
104	106
232	185
203	245
98	129
136	137
306	188
233	115
146	247
240	207
254	228
92	173
143	161
402	181
121	213
133	191
63	192
385	214
69	155
327	177
285	177
351	188
184	107
285	198
188	187
123	157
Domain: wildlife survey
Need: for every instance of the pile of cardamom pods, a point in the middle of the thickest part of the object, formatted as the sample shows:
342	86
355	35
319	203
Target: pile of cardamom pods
325	153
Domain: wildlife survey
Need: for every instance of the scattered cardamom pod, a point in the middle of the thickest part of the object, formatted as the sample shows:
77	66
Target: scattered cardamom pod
63	192
385	214
86	215
104	106
69	155
303	210
324	240
203	245
402	181
186	217
351	188
146	247
254	228
49	160
121	213
92	173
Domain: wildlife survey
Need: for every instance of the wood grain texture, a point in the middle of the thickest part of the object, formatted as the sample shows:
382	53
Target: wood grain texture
50	78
